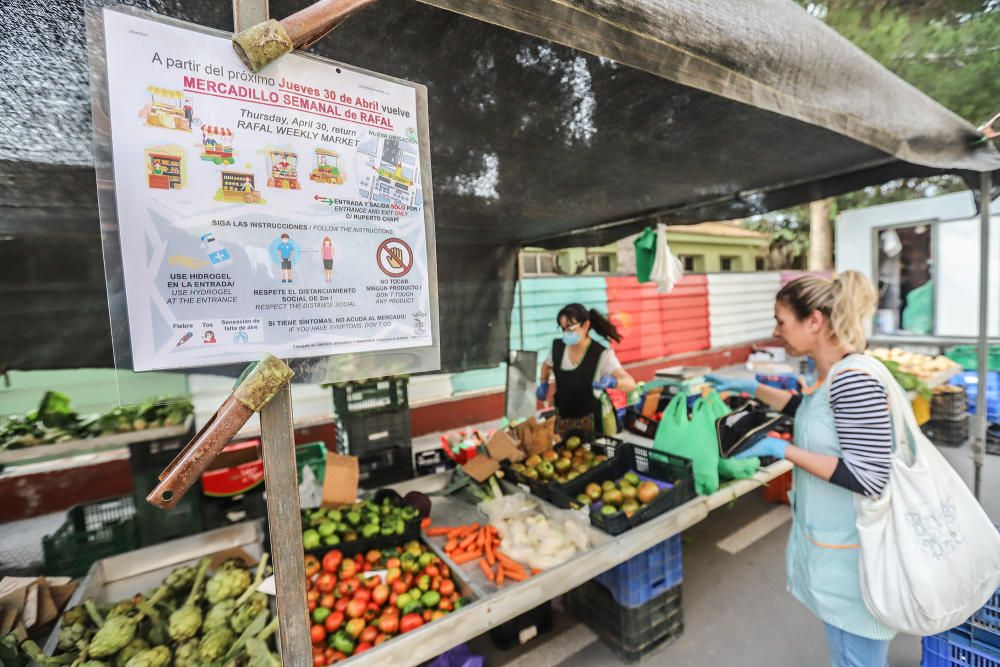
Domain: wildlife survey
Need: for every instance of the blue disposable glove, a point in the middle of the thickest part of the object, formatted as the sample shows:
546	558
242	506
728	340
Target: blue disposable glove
542	392
738	386
773	447
606	382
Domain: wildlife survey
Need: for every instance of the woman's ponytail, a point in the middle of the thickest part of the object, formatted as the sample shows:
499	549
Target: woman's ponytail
854	302
603	326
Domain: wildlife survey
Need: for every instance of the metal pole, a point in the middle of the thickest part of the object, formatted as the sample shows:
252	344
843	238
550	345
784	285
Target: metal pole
281	477
979	441
520	295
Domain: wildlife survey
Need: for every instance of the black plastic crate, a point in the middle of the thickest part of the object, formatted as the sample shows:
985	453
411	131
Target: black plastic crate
641	425
385	467
431	461
598	443
154	525
219	512
631	633
949	403
658	466
351	399
524	628
373	433
155	455
993	439
947	433
91	532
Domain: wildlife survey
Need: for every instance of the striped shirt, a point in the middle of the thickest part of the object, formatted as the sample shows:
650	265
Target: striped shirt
860	406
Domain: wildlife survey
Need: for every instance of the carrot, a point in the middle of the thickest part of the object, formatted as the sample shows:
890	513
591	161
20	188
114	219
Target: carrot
437	532
506	560
500	572
511	566
468	541
535	570
465	557
490	558
486	569
451	545
425	523
516	576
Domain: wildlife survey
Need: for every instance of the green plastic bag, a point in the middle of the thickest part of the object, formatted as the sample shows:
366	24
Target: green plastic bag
645	254
918	315
711	410
693	439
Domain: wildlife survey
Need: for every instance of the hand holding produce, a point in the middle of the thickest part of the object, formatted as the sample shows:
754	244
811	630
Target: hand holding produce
773	447
734	385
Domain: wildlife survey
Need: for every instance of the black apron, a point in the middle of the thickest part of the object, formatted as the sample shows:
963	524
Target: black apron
575	388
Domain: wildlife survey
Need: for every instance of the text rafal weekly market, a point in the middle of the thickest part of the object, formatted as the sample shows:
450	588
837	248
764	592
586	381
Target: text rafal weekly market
279	212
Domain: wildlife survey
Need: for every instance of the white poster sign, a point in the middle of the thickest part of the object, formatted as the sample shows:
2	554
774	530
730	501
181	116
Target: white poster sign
279	212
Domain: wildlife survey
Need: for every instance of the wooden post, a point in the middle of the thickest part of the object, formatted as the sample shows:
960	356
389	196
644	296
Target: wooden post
820	235
281	478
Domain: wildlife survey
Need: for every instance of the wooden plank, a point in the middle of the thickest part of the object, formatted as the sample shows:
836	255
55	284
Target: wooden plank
285	523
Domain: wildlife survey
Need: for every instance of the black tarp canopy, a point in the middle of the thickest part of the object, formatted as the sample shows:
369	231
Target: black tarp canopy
583	122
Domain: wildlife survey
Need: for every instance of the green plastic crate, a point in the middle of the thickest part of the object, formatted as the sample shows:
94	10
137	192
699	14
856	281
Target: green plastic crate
91	532
312	454
967	357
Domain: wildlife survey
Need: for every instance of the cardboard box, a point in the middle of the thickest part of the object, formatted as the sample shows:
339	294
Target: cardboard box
340	483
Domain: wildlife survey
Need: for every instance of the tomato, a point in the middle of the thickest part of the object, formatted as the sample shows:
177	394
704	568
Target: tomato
311	606
432	571
373	556
318	634
380	594
369	634
435	583
363	594
326	582
319	660
381	638
400	586
410	622
356	608
348	586
436	614
348	569
392	574
391	611
392	563
332	560
341	605
312	565
427	615
312	596
445	572
445	605
328	601
388	624
372	582
362	647
334	621
447	587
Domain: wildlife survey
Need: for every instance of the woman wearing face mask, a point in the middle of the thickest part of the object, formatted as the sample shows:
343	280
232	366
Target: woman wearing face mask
843	447
582	368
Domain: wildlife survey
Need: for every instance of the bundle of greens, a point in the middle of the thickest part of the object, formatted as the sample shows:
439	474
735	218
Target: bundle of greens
55	421
908	381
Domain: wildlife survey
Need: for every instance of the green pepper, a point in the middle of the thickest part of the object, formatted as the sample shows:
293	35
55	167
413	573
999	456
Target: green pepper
400	526
430	599
342	528
335	516
370	530
310	539
327	528
317	515
424	582
413	608
331	540
403	600
342	642
388	531
320	614
410	512
354	517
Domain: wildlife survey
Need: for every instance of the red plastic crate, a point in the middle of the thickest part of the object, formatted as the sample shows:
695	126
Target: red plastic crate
776	491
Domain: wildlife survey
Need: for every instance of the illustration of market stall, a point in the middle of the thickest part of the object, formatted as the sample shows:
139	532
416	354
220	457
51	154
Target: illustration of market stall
904	134
283	170
238	187
169	109
217	144
165	168
327	168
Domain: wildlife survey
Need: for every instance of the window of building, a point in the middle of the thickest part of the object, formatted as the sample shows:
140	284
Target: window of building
729	264
536	263
604	262
693	263
906	297
759	264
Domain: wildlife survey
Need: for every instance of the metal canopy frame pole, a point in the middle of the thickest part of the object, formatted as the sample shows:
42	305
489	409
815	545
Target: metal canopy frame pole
982	343
281	477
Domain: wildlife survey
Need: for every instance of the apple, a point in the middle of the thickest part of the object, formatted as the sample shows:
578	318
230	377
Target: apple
533	460
593	491
550	455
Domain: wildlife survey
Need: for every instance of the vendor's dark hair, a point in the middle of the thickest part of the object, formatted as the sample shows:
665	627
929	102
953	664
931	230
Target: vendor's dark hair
578	313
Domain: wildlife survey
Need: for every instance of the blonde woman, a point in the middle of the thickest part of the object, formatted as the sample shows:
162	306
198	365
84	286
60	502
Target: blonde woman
842	447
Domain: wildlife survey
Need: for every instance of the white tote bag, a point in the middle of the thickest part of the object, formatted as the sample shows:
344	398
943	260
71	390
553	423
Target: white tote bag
930	557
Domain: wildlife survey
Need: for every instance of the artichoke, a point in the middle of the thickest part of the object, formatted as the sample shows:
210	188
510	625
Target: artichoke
69	635
214	644
218	616
93	663
260	656
226	583
181	579
153	657
117	631
75	615
135	646
186	654
186	621
233	564
245	614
